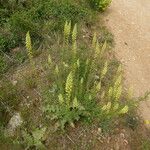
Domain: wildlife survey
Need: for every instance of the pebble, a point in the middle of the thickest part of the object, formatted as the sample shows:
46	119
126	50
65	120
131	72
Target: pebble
13	124
122	135
14	82
99	130
125	142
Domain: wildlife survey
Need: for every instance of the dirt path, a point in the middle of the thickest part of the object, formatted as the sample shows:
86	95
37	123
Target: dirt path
129	21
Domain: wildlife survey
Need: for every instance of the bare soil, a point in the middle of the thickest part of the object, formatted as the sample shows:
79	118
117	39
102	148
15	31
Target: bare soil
129	21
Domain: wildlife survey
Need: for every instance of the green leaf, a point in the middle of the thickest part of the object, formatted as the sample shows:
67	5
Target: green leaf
38	134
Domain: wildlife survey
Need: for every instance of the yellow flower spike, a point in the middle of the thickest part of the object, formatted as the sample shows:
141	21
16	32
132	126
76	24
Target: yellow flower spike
97	49
69	27
94	40
75	103
116	106
78	63
147	122
65	65
28	41
118	81
67	30
119	69
110	93
105	69
108	106
103	48
56	69
29	46
81	81
104	107
68	87
74	33
124	110
61	99
74	47
98	87
118	93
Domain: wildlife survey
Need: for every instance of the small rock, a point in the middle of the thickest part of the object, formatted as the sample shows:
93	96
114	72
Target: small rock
125	142
99	131
13	123
14	82
122	135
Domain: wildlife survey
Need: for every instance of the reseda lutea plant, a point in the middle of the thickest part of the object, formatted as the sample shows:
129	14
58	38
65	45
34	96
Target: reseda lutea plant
77	91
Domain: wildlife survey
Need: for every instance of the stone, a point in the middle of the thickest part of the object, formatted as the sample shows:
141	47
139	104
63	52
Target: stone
99	130
13	124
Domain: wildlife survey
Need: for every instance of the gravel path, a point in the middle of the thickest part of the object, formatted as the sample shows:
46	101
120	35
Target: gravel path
129	21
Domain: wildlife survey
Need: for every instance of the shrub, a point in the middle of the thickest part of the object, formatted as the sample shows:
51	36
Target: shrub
100	4
33	139
39	17
78	90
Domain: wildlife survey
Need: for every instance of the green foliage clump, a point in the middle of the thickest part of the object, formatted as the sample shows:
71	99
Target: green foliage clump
34	139
100	4
40	17
78	89
8	41
145	144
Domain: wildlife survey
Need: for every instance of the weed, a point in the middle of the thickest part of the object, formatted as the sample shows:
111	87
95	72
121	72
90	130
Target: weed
41	18
34	139
29	48
8	41
145	145
78	88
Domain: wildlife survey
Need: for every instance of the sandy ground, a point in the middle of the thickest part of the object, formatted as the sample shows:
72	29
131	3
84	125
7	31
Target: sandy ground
129	21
